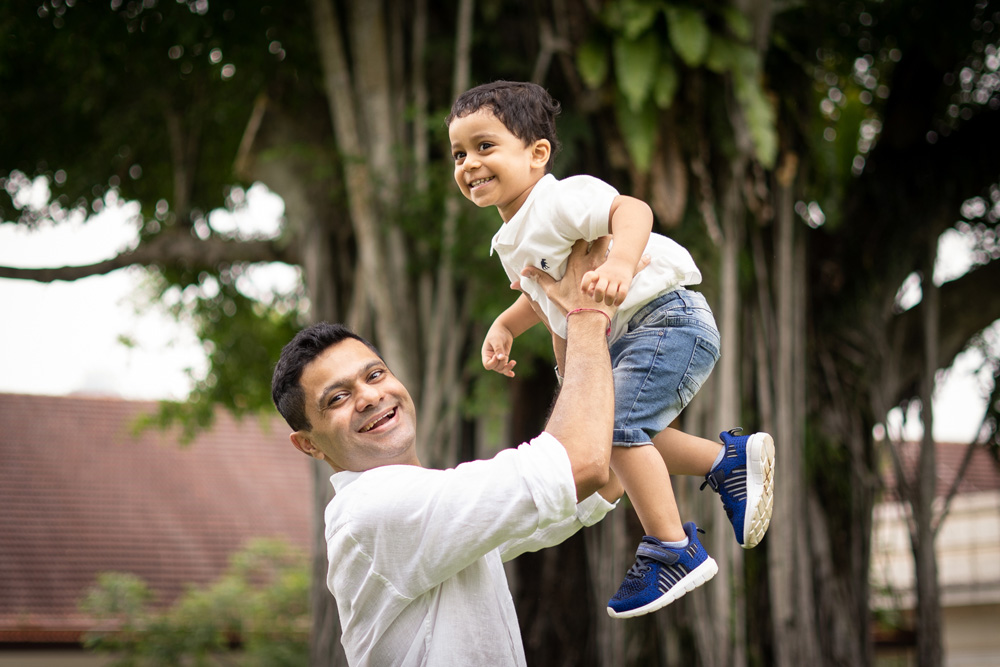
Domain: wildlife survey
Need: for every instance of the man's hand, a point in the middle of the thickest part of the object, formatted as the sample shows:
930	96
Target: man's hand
567	293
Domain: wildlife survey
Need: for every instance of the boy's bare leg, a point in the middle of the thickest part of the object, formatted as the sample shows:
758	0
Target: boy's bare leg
685	454
644	475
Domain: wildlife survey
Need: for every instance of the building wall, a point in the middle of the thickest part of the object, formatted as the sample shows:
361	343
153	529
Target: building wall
968	551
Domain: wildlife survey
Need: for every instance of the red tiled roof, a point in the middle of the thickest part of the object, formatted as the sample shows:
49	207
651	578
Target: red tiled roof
982	473
80	495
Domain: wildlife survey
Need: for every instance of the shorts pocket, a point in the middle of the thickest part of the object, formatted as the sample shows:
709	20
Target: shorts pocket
704	356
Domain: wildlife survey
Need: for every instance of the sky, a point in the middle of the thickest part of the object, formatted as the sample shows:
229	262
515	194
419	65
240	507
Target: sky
66	337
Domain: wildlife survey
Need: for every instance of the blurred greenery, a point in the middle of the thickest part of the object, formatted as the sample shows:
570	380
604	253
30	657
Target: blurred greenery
257	608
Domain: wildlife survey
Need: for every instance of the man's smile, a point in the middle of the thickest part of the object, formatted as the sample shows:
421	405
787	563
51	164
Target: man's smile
379	421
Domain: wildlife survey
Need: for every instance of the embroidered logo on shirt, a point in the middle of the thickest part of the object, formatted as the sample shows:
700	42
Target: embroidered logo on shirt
545	265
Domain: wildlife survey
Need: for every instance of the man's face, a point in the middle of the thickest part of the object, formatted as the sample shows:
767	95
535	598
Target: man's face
361	415
492	166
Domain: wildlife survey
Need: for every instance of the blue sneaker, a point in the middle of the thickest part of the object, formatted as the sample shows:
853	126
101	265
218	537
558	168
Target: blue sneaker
661	574
745	480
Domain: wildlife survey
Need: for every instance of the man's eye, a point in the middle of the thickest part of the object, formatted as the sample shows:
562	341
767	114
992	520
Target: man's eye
376	375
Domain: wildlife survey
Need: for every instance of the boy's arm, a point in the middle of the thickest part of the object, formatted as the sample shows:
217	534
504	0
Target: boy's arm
630	222
511	323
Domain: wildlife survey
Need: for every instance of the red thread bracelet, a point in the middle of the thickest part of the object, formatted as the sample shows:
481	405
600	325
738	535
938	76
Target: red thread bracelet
607	332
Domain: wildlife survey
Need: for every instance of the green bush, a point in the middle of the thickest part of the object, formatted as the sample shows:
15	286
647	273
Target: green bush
256	613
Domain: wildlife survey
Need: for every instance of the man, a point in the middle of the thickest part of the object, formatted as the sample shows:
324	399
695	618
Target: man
416	555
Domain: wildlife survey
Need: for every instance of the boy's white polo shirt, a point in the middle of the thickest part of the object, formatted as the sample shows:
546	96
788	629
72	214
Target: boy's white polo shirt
556	214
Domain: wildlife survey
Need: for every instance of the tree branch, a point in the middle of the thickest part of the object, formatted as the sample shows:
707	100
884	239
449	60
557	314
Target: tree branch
175	248
968	305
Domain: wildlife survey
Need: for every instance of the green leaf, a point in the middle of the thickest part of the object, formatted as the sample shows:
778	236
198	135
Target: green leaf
636	65
631	17
689	34
725	55
592	61
738	23
665	86
759	115
639	129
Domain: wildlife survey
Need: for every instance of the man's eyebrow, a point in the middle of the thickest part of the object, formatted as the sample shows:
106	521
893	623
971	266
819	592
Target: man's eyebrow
341	382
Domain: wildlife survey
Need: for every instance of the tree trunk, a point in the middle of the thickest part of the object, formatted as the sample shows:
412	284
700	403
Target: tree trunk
339	85
929	648
789	555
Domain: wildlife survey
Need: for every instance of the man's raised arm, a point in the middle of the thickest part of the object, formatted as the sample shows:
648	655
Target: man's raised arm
583	416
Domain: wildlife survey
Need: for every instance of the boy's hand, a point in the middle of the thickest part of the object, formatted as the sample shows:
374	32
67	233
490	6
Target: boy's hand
609	283
496	350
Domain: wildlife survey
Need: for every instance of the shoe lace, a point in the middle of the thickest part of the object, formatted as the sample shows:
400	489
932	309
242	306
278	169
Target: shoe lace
715	480
639	567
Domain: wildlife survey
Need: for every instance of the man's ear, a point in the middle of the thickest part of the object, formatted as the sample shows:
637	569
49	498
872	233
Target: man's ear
540	152
304	444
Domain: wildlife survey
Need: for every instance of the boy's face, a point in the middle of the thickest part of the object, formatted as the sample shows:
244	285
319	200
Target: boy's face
492	166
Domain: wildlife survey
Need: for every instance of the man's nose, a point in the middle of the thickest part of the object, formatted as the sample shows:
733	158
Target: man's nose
367	396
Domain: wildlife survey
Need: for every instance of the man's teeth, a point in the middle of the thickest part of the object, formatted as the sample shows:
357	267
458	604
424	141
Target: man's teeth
378	421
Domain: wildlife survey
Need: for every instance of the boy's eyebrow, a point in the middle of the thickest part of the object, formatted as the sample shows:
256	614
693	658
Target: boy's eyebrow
340	382
477	136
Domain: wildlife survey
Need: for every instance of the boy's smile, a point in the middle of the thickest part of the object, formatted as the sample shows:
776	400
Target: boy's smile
492	166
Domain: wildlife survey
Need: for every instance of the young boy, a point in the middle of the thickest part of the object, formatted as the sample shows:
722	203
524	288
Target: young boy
663	340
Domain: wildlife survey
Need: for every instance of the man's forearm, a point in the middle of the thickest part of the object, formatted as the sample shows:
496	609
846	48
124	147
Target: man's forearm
583	416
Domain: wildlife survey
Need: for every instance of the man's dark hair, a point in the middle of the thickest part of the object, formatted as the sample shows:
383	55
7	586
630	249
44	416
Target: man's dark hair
526	109
286	388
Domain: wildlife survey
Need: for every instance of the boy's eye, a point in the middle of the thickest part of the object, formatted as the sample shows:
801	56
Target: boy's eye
485	145
458	155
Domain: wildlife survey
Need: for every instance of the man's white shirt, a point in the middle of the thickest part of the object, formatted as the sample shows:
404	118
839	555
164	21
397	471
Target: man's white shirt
416	555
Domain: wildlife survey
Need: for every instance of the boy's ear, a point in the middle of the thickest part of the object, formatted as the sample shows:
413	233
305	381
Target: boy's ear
540	152
302	443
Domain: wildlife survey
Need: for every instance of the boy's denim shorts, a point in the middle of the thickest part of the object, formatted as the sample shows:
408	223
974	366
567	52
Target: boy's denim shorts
660	363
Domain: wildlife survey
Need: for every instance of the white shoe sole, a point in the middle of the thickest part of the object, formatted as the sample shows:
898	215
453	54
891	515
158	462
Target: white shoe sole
760	488
693	580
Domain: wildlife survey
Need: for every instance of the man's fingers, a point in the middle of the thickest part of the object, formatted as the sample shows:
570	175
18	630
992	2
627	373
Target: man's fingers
543	279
